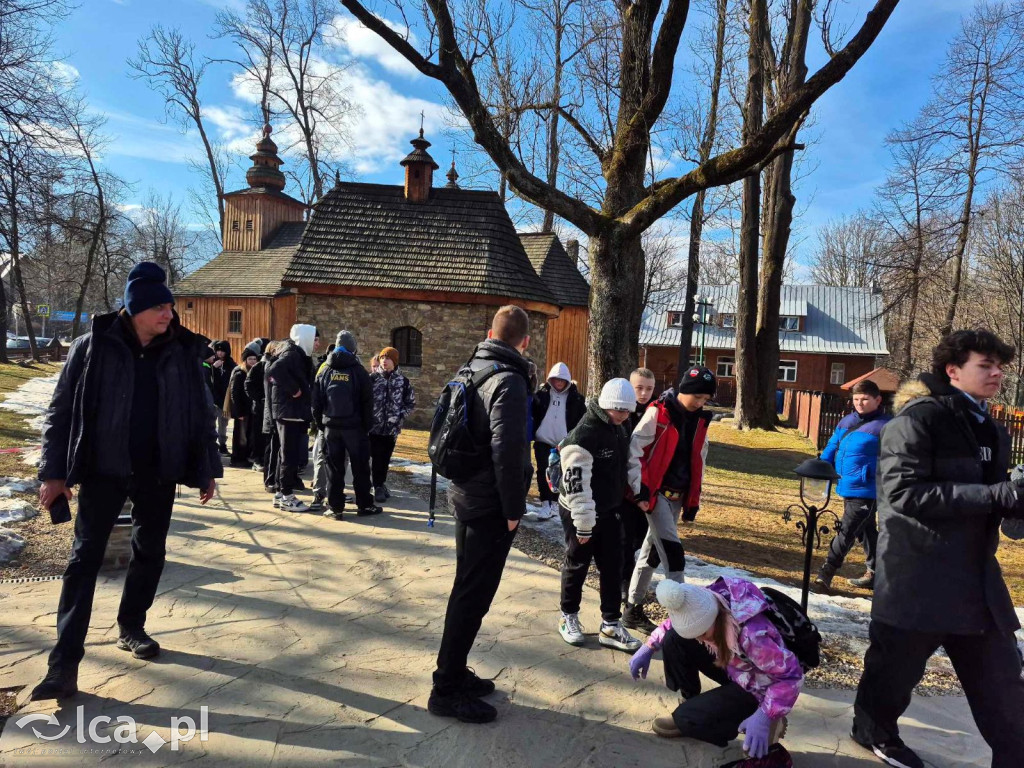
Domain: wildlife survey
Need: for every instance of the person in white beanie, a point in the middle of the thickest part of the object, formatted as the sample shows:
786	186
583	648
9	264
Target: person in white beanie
723	632
558	406
597	473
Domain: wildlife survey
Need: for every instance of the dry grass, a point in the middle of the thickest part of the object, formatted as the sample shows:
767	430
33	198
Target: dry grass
748	485
47	546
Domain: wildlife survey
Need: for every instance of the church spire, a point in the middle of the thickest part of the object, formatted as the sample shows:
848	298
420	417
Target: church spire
452	175
265	164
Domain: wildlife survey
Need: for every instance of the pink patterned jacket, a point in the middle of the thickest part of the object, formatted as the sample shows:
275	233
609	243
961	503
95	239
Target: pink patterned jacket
764	666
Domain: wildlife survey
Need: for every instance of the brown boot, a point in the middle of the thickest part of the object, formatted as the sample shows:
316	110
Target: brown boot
822	583
867	581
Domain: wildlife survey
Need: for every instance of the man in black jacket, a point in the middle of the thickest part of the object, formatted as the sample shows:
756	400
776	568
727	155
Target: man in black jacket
130	418
290	379
220	370
487	509
343	409
942	493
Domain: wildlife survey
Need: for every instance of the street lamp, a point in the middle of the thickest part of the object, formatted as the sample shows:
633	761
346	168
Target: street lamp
816	479
701	317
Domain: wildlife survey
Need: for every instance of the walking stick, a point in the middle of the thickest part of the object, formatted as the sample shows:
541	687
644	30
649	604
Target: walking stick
433	495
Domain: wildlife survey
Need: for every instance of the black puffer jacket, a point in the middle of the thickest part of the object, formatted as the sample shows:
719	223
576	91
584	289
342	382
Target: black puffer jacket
290	372
222	376
254	389
498	418
343	394
938	520
88	424
241	406
575	405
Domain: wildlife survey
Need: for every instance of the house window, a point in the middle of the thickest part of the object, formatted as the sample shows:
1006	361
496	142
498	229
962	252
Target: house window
675	319
248	225
787	370
409	343
235	322
234	225
188	305
728	320
789	323
724	367
838	373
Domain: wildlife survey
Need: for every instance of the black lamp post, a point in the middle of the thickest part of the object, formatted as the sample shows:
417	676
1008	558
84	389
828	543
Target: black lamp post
701	316
816	479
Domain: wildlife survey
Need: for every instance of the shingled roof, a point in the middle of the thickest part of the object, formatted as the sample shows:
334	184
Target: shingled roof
246	273
459	241
556	269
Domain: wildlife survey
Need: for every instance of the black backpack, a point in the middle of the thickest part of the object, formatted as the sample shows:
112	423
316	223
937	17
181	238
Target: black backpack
798	632
451	447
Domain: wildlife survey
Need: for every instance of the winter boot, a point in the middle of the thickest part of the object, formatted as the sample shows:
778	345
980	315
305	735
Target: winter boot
867	581
822	584
635	618
666	727
138	642
59	683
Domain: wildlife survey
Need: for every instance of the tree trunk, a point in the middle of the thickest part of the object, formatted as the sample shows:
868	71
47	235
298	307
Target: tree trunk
746	309
3	322
617	282
961	247
94	243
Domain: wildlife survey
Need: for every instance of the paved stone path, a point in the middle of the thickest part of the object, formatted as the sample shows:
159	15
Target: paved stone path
311	641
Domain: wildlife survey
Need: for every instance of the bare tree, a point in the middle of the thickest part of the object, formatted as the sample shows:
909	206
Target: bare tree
163	236
849	252
166	60
280	42
647	33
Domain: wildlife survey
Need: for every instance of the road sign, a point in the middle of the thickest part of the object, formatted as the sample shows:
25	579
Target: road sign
43	310
60	316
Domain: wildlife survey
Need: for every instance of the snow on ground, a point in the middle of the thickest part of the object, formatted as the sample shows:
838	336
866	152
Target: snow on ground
419	473
30	399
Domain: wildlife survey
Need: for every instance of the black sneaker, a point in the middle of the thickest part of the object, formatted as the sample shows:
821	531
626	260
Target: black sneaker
224	450
270	488
461	706
59	683
635	618
894	753
139	643
474	685
317	504
387	492
367	511
379	495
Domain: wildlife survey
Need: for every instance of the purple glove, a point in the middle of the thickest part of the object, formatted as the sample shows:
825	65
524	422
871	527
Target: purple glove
756	728
641	662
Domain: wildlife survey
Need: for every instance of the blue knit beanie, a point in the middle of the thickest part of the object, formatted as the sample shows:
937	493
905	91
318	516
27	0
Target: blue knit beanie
146	288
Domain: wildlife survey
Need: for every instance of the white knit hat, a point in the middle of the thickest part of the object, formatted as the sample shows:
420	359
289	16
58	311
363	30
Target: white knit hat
692	609
617	395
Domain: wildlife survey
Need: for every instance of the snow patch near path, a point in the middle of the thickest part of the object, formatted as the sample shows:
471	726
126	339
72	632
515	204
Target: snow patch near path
32	399
419	473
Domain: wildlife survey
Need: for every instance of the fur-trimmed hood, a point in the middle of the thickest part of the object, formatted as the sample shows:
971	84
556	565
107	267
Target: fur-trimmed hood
913	389
925	385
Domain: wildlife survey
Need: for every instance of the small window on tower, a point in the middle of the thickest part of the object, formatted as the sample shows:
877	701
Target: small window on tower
234	225
248	225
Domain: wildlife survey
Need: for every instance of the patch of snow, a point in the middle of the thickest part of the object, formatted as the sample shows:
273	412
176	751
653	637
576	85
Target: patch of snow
10	545
32	399
16	510
419	472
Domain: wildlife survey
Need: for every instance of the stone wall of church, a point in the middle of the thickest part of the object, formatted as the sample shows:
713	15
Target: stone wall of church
450	332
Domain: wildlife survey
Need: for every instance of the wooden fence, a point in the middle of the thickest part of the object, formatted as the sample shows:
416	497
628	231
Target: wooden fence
1013	420
814	414
54	352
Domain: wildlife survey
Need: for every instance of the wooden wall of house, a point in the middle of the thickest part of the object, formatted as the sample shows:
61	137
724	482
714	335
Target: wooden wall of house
257	218
568	339
209	316
283	317
813	370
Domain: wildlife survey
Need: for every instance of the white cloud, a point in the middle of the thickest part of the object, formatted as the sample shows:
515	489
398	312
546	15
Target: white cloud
140	137
357	41
66	72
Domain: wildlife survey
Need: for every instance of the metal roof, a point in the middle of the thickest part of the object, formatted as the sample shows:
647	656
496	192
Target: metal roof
843	321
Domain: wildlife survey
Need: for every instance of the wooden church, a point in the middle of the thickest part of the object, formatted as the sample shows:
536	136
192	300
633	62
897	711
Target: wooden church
413	266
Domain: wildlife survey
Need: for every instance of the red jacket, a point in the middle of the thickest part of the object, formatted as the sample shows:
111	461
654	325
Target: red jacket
655	440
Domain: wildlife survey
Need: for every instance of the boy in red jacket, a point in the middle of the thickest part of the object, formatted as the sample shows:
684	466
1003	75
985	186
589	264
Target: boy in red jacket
671	441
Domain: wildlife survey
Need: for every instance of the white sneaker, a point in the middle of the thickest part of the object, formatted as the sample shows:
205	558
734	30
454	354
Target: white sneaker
552	509
616	636
570	629
277	499
292	504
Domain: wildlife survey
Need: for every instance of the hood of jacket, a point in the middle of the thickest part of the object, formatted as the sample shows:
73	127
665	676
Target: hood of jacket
341	358
303	336
559	371
745	600
111	323
500	352
925	385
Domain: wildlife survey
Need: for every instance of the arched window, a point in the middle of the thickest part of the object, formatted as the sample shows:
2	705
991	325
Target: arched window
409	343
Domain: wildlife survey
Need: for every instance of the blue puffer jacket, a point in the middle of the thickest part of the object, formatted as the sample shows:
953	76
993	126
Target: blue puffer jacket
853	451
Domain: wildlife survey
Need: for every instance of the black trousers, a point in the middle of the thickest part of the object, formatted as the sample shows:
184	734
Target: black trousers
239	441
257	445
634	531
714	716
381	448
481	548
858	523
338	443
291	455
605	549
987	665
271	454
541	452
100	500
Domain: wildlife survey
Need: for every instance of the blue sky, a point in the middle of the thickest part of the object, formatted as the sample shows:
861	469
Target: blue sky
847	161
